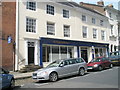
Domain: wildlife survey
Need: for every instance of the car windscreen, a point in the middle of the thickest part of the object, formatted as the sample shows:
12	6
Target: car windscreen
54	64
96	60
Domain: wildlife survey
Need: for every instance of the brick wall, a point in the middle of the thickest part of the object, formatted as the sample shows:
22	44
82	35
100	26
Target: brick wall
8	29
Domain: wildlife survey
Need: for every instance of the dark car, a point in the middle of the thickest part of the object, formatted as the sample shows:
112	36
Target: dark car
6	79
99	63
115	57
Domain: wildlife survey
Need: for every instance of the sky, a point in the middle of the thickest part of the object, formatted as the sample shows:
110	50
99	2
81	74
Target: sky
106	2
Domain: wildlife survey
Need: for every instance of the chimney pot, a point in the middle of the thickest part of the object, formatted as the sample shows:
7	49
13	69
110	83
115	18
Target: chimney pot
101	3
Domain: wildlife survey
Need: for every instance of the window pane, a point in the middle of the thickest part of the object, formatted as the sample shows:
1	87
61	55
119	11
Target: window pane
66	31
101	22
50	29
65	13
30	25
103	35
94	33
31	6
50	9
63	50
83	18
84	31
93	20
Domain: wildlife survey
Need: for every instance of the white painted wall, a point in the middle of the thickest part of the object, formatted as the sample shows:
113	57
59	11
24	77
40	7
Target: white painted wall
74	21
113	21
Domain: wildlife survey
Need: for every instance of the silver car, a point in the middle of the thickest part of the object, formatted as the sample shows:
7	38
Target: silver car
61	68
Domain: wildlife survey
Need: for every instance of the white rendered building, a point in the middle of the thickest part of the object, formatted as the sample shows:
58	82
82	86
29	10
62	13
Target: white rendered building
46	31
114	21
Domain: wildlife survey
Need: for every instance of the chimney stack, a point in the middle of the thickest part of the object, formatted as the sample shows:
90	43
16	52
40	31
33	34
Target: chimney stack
101	3
110	5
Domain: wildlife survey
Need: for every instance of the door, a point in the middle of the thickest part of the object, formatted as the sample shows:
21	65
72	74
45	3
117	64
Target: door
84	55
31	51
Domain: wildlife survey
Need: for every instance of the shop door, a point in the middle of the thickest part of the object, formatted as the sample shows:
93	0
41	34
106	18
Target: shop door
84	55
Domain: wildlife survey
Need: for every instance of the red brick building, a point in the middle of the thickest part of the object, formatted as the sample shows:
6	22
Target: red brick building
7	29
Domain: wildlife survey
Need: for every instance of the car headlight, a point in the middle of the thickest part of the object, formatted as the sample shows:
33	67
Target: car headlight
43	73
96	65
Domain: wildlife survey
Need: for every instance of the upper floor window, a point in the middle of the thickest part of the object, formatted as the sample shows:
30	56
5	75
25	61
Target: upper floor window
102	35
65	13
30	25
101	22
111	29
84	18
93	20
50	28
66	31
31	5
110	15
50	9
94	33
84	31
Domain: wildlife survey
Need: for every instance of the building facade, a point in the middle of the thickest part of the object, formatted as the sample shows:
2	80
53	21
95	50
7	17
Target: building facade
47	31
114	21
7	34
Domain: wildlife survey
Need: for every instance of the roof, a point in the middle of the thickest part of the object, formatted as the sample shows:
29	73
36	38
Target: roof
92	4
112	8
74	4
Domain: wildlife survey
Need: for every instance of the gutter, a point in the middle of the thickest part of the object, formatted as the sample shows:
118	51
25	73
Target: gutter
17	36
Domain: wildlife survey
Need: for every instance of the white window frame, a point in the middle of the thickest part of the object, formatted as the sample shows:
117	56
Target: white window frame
111	26
31	7
50	9
31	24
101	22
102	34
65	13
84	18
66	30
110	14
50	28
93	20
94	33
84	31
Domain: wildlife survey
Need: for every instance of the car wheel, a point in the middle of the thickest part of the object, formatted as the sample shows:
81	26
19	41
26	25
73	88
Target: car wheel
81	71
53	77
100	68
111	65
12	83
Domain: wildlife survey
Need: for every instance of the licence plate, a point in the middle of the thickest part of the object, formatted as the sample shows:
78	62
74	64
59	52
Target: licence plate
90	68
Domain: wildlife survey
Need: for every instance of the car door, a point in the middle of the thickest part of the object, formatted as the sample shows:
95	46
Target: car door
5	80
73	66
107	62
103	62
64	68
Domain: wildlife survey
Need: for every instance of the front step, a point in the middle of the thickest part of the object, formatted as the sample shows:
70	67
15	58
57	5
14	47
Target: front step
29	68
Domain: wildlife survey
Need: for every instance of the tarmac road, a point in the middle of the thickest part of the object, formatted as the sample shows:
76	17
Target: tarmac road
107	78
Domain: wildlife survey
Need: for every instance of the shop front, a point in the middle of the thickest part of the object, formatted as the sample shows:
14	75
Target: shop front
54	49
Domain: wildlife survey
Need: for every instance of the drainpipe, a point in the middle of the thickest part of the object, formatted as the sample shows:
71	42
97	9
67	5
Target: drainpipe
17	36
93	52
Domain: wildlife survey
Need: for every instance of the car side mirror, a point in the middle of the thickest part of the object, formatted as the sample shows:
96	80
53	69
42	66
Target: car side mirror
61	65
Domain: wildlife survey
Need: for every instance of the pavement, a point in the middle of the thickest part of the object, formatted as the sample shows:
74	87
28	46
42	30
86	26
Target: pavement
18	75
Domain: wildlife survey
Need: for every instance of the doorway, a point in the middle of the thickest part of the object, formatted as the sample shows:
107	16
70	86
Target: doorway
31	50
84	54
